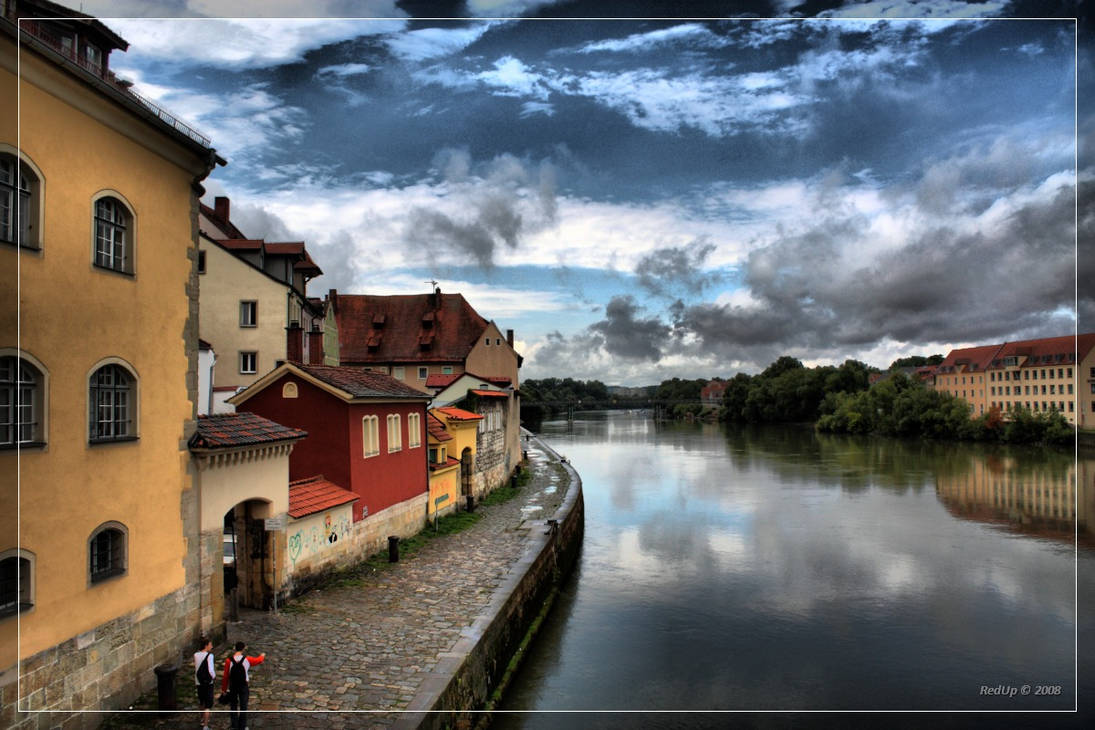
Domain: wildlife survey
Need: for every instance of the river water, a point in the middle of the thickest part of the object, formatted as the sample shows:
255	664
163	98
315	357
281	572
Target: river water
772	568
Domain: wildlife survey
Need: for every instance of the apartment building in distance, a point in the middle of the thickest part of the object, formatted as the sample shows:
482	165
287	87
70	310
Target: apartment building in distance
1041	375
98	212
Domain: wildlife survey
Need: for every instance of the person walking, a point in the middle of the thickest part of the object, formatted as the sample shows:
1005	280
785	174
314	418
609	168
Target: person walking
205	672
237	682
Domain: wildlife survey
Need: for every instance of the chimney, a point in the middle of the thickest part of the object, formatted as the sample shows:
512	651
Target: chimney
332	298
509	337
437	298
220	207
294	343
315	347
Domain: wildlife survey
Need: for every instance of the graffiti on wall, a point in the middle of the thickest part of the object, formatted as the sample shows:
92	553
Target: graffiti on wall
316	536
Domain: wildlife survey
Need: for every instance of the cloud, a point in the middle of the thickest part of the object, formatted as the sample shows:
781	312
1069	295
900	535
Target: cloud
429	43
676	269
690	34
481	212
344	70
626	335
239	43
954	9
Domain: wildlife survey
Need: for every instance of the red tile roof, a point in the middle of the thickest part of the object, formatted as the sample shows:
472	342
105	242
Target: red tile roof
228	430
1047	350
241	244
968	359
449	462
413	328
436	428
459	414
315	494
441	381
362	383
490	393
287	247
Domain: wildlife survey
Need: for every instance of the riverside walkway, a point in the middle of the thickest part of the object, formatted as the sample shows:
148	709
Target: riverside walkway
358	652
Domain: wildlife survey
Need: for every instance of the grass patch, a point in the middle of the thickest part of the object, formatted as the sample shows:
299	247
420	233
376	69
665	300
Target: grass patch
506	492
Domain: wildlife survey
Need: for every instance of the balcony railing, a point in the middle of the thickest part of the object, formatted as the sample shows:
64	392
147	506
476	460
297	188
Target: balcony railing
66	47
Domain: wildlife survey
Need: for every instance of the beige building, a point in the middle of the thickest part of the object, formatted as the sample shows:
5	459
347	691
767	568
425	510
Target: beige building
1042	375
255	311
97	397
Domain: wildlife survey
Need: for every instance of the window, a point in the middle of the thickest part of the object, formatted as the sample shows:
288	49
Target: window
446	369
249	363
248	313
94	58
112	405
487	342
1070	388
423	373
107	552
399	372
289	390
113	244
16	582
370	438
414	430
201	262
1070	406
19	195
498	340
395	433
21	402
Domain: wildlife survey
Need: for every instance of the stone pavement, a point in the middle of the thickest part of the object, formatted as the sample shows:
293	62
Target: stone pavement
365	648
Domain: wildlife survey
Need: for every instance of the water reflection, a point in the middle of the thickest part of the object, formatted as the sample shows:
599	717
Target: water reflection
772	568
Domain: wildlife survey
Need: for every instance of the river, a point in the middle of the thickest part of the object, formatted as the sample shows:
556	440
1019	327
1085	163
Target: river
773	569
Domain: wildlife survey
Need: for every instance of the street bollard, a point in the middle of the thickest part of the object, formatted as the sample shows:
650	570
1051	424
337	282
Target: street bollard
471	503
393	549
165	686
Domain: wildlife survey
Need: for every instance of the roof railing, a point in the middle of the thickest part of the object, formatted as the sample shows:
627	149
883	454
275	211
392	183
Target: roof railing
66	47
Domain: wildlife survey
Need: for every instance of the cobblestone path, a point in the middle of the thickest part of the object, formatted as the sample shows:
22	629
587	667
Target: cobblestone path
366	647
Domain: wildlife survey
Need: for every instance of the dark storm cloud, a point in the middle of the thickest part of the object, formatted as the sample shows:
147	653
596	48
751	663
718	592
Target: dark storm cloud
945	284
629	336
499	201
675	269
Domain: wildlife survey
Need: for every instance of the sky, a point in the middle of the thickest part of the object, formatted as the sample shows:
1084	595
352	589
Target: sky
641	199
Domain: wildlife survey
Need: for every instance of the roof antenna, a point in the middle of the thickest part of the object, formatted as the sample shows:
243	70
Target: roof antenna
432	283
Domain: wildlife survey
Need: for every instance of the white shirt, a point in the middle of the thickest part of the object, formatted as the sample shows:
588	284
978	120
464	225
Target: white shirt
209	660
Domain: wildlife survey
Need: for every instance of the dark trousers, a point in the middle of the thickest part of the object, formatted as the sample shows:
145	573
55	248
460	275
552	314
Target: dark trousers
239	699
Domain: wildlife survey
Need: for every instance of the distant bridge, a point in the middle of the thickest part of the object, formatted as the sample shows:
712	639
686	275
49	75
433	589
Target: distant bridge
658	405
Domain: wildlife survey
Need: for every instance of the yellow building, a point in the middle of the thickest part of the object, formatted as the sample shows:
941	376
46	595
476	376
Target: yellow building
963	375
444	468
98	213
1047	374
463	427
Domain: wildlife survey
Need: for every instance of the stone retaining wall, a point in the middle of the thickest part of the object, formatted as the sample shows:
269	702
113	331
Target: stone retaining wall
465	677
105	668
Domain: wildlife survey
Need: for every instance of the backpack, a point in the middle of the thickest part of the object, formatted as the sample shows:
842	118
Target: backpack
237	674
202	672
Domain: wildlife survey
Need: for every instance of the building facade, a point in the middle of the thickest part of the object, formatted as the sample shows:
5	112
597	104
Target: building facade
99	395
367	434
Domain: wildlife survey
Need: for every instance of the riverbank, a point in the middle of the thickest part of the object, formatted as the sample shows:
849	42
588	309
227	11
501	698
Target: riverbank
417	643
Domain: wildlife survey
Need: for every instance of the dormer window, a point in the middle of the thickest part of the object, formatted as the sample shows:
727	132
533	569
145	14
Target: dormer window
93	59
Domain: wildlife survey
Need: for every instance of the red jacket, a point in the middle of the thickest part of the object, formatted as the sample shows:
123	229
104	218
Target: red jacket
248	662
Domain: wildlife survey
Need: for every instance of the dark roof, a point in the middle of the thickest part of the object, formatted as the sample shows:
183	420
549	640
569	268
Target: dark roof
362	383
406	328
436	428
226	228
229	430
315	494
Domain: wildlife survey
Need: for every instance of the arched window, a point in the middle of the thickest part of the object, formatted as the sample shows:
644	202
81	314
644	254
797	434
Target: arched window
19	202
106	550
22	398
113	235
16	581
370	438
112	405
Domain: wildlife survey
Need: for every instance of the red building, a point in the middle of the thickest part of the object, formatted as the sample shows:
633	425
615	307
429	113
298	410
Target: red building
367	431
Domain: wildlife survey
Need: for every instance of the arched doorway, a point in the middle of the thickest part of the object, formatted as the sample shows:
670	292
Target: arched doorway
246	552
